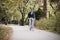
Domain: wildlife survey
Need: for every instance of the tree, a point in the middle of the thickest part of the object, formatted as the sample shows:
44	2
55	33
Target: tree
22	7
45	7
10	9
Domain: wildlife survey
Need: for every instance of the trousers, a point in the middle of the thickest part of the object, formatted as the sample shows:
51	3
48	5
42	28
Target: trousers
31	23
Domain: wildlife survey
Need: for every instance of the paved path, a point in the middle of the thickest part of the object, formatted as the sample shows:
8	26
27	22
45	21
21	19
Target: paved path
23	33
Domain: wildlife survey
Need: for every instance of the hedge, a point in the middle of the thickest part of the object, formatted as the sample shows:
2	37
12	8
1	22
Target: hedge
5	33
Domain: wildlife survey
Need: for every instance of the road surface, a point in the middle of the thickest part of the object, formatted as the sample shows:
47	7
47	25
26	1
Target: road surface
23	33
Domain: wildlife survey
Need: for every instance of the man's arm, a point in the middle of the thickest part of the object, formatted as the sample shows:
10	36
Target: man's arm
34	16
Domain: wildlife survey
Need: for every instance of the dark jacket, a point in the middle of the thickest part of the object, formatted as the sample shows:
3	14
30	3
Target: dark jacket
31	15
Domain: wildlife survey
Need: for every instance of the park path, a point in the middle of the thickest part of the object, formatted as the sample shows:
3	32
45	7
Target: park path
23	33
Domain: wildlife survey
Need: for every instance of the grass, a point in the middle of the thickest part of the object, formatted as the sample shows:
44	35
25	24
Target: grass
5	33
47	24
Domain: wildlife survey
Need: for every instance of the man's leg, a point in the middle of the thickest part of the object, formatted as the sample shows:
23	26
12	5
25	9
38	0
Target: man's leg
30	24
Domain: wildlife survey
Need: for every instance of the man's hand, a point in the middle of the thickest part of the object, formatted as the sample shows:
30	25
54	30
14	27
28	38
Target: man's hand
31	18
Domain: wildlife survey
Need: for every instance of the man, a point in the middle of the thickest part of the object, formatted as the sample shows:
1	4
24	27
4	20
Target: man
31	18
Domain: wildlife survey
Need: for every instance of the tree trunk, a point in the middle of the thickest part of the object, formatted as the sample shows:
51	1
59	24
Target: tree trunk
45	7
22	19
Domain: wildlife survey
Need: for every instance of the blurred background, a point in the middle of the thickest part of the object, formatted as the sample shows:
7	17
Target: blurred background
16	12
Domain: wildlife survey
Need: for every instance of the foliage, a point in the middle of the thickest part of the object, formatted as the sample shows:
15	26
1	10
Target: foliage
51	24
57	25
9	7
5	33
16	11
39	14
45	24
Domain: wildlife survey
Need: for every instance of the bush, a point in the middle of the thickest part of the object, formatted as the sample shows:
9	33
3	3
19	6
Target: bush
57	22
5	33
45	24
